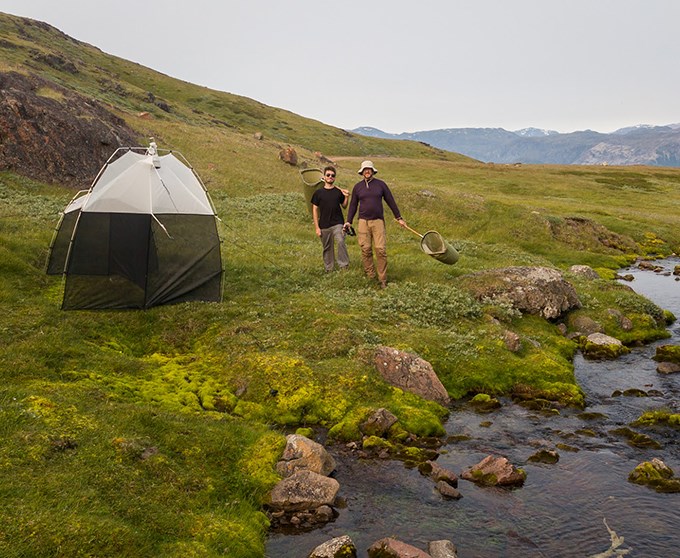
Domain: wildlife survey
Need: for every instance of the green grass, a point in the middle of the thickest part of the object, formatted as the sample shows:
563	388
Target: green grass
154	433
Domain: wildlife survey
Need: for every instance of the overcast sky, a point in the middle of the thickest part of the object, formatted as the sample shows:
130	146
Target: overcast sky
405	65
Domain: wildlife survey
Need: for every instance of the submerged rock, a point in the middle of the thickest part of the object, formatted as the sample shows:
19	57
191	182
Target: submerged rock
667	353
393	548
549	457
668	368
447	491
438	473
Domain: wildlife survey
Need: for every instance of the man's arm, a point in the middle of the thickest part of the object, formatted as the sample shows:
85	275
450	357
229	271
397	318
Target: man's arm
353	204
315	217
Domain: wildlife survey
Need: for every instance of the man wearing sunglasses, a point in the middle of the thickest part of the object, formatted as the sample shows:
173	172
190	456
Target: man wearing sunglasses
367	198
327	205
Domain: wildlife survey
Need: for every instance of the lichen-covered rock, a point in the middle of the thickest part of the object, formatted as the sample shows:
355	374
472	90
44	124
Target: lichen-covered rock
339	547
585	325
289	155
541	291
301	453
584	271
410	373
598	346
304	490
495	471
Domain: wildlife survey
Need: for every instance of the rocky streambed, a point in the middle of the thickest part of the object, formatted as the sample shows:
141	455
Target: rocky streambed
576	499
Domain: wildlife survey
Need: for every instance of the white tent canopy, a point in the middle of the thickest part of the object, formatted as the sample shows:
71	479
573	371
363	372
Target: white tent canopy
133	184
144	234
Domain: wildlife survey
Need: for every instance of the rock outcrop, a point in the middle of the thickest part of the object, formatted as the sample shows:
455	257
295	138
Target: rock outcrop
53	134
541	291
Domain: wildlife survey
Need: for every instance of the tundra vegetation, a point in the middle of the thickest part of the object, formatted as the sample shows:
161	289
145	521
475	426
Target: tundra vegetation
155	433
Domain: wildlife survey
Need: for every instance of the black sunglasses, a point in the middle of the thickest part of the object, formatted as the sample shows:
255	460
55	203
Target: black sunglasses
331	175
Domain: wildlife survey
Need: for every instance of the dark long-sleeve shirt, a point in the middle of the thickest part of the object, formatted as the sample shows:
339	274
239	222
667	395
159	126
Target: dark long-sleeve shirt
368	198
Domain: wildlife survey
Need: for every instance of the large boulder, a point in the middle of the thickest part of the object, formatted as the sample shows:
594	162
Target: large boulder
301	453
541	291
304	490
410	373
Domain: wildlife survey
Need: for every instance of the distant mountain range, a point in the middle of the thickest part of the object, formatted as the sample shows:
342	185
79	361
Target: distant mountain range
634	145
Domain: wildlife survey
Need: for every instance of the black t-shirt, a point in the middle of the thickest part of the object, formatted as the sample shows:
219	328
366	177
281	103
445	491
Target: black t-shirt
328	200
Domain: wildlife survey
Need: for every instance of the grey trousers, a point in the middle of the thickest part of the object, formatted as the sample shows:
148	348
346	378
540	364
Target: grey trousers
329	237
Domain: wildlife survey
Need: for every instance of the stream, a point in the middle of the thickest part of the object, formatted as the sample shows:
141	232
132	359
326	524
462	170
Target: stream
563	510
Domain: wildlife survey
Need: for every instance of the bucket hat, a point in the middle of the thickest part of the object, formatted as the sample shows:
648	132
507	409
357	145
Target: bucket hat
367	165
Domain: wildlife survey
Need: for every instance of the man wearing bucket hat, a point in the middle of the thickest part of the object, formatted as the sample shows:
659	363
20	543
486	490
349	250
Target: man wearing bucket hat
367	197
327	204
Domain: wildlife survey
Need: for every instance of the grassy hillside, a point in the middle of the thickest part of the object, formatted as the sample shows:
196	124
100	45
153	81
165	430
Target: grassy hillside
154	433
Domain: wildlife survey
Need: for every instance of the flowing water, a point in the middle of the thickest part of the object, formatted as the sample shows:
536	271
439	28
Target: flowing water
561	510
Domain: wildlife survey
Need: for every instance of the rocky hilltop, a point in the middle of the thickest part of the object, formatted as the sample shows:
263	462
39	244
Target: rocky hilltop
639	145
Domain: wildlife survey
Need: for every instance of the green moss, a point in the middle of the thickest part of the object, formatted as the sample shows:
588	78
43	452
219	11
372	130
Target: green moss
658	417
597	351
484	479
668	353
484	403
348	428
375	442
656	475
636	439
306	432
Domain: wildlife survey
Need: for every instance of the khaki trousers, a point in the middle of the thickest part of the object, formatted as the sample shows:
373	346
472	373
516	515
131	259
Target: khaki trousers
372	237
